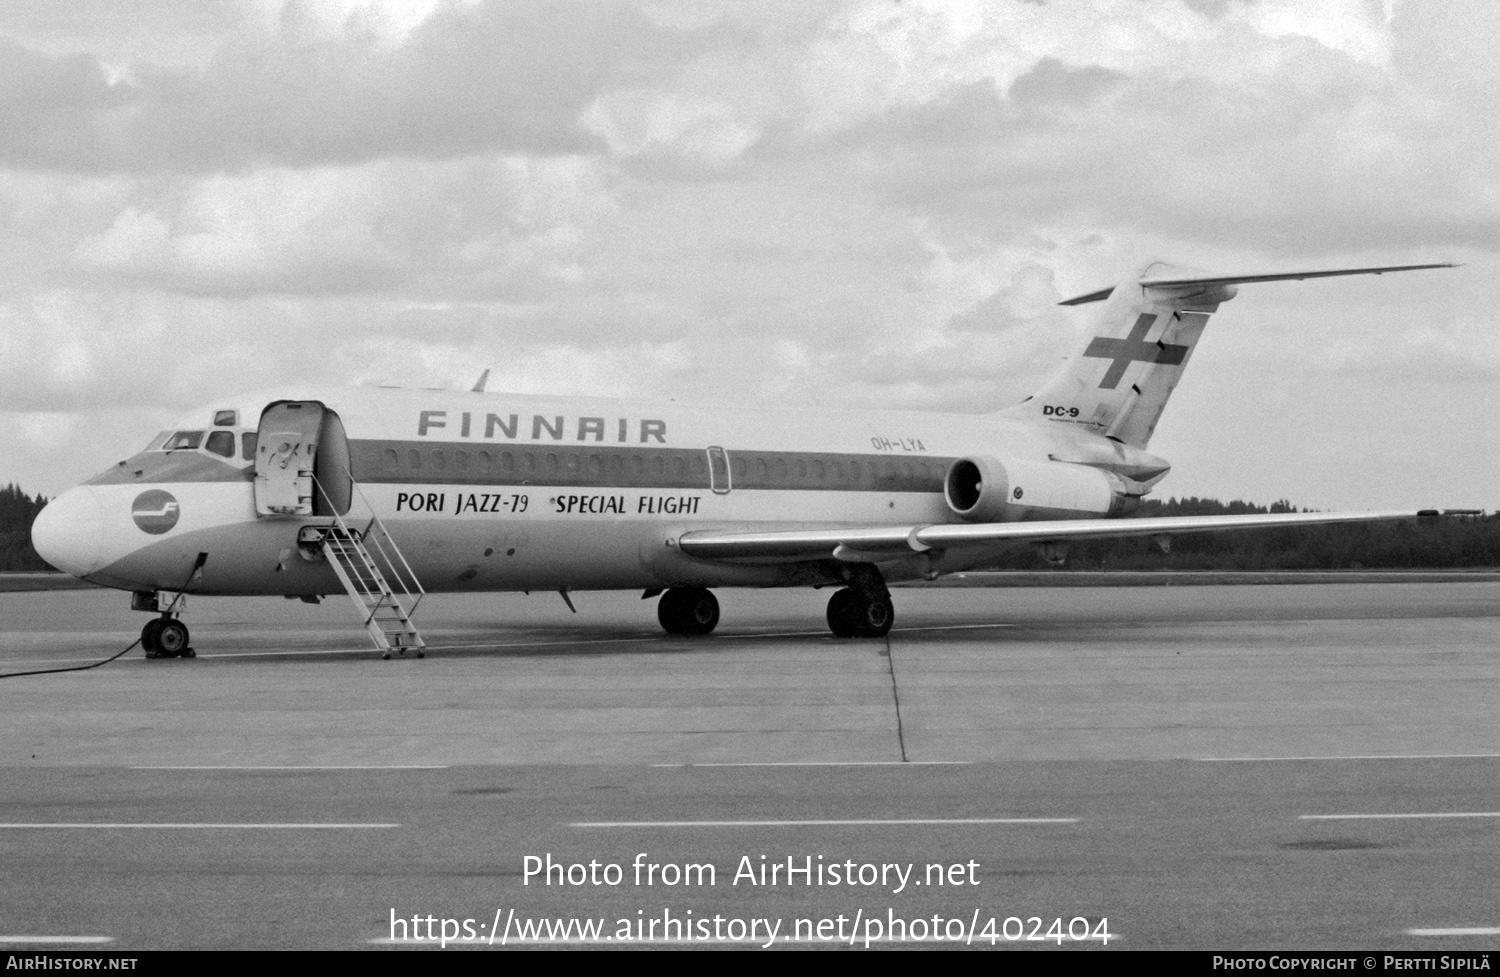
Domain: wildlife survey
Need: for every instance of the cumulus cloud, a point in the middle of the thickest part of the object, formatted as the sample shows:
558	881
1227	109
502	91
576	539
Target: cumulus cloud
485	226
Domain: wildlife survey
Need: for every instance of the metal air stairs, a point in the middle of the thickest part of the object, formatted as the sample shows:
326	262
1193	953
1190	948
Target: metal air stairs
357	555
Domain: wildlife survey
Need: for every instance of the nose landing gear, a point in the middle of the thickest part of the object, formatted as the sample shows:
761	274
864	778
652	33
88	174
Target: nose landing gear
166	637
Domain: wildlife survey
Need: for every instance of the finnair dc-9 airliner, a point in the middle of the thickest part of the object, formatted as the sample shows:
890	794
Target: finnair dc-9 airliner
386	494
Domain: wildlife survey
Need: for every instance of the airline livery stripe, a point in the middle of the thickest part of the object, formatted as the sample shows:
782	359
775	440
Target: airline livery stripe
604	466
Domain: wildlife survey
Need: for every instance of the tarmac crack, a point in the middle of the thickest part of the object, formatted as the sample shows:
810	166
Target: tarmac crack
890	660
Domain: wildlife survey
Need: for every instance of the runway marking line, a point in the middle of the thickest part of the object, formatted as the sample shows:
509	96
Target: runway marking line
1370	756
1456	931
256	826
392	766
828	763
74	940
1379	817
814	823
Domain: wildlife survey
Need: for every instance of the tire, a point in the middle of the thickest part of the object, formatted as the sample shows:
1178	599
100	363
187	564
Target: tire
688	610
172	638
873	617
149	643
840	613
852	614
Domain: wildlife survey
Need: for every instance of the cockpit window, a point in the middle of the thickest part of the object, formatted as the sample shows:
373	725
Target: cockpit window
224	418
248	440
221	443
183	439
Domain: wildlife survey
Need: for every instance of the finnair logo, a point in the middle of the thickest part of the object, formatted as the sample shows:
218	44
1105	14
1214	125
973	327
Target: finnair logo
155	511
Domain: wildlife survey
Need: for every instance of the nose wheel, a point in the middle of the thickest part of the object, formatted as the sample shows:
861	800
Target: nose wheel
166	637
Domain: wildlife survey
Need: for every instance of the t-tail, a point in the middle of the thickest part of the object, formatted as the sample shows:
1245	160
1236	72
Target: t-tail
1118	384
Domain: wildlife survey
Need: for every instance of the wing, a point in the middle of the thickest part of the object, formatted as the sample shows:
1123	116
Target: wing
867	544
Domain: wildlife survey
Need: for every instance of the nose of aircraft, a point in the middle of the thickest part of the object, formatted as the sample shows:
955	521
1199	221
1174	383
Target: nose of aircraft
68	532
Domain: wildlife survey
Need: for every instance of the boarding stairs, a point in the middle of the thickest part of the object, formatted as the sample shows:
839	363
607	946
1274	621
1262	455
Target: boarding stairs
367	560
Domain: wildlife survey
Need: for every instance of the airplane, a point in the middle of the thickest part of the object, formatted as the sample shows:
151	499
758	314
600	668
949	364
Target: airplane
391	493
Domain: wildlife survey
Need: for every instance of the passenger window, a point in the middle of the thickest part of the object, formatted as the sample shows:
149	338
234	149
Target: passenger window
392	460
247	445
414	459
820	471
184	440
439	461
461	461
226	418
486	464
221	443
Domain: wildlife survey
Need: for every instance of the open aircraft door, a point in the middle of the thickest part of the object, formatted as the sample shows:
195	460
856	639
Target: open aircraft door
297	442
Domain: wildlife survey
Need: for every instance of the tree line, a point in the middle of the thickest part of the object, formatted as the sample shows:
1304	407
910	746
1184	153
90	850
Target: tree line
17	510
1469	541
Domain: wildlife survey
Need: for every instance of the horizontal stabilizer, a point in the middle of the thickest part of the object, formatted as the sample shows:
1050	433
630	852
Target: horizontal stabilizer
874	543
1205	281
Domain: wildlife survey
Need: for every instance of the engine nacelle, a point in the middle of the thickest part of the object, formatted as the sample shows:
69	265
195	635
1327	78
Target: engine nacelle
990	490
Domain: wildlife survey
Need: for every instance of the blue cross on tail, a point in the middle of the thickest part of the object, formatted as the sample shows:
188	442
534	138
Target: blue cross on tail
1132	348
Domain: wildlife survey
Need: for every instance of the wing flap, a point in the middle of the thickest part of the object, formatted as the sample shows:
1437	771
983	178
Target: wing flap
896	541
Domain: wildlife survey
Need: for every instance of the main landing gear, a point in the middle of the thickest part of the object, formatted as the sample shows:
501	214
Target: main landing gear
166	637
863	609
688	610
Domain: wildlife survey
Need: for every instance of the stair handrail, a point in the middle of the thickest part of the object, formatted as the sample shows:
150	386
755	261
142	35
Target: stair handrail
401	579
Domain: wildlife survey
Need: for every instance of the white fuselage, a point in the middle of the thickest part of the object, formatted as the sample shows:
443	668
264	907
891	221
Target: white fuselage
493	492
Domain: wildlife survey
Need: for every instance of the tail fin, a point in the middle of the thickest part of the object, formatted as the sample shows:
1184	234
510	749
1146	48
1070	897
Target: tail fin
1118	384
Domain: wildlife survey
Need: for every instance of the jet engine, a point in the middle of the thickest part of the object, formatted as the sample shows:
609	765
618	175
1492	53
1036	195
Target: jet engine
991	490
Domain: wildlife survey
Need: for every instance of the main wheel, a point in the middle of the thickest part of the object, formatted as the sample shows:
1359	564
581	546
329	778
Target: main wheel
172	637
873	617
852	614
840	613
688	610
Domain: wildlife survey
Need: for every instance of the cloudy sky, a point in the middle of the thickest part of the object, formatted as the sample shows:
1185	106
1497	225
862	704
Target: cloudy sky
850	203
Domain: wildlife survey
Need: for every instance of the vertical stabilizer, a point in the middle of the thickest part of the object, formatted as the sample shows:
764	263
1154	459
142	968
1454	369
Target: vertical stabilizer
1118	383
